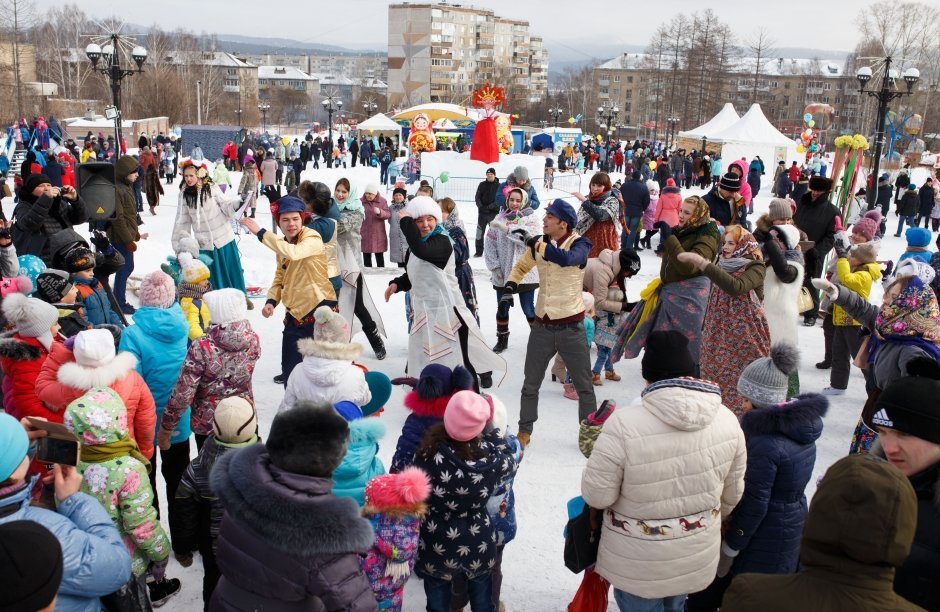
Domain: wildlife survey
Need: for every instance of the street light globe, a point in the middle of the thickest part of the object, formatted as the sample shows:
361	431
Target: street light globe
140	55
911	75
600	110
863	73
107	50
616	109
339	103
93	52
324	103
893	74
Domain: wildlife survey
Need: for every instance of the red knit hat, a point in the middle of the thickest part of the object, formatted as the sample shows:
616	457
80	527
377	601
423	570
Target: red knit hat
406	490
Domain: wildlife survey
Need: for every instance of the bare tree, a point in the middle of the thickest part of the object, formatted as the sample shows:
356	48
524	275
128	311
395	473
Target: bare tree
761	46
60	49
19	16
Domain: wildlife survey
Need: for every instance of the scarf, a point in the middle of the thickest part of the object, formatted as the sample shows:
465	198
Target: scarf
352	205
99	453
254	440
453	220
910	313
191	291
438	229
746	245
731	264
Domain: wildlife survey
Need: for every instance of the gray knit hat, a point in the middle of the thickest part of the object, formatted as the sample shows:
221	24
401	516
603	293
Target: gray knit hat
779	209
764	380
32	317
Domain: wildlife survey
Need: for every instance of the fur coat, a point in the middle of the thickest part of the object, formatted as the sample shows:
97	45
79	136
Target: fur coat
326	375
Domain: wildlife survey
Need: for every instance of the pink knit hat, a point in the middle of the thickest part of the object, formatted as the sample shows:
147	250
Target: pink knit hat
157	290
466	415
867	226
15	284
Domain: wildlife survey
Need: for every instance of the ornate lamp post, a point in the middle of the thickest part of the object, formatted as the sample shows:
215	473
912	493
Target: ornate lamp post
555	112
112	68
331	105
606	118
264	107
673	121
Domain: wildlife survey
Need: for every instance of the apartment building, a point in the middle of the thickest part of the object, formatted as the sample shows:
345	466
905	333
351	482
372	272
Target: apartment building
347	65
286	77
442	52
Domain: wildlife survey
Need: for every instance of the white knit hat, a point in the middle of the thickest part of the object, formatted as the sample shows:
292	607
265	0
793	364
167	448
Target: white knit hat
32	316
193	270
226	306
94	347
234	420
371	187
330	337
422	206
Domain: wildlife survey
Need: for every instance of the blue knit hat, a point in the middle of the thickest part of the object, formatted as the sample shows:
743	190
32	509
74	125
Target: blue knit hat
381	388
917	236
13	445
563	211
291	204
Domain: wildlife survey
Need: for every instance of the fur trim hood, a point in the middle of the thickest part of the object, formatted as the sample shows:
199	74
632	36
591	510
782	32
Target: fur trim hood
800	419
21	349
297	514
78	376
346	351
427	407
366	430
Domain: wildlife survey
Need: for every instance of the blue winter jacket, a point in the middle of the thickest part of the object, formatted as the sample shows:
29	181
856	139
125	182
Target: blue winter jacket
360	465
158	338
412	433
95	561
767	524
97	306
636	198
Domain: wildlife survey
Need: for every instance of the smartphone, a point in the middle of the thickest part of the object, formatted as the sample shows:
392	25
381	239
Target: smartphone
59	446
57	450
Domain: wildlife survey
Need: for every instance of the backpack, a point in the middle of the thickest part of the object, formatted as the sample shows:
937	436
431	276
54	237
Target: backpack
386	157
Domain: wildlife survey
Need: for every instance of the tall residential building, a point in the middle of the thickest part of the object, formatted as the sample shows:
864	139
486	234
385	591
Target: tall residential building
442	52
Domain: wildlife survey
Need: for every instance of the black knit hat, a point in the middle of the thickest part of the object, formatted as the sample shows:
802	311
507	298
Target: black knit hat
52	285
629	262
820	183
31	566
79	259
730	182
34	180
666	356
909	404
308	439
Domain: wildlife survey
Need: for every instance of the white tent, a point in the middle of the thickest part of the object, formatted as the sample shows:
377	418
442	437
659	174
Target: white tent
754	135
725	118
379	123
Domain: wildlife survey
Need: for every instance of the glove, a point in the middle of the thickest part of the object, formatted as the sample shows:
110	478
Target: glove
841	244
506	300
664	230
158	569
825	286
725	561
70	343
511	287
100	239
131	246
184	560
377	210
523	235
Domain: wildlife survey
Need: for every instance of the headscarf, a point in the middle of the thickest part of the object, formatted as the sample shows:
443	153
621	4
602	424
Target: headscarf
746	245
911	314
700	216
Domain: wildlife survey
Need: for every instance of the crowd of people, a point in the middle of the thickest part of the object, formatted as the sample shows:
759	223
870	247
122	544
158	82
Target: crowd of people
697	485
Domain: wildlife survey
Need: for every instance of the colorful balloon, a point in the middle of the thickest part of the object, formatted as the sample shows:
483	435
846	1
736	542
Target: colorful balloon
799	148
652	165
807	117
31	267
444	176
811	123
285	140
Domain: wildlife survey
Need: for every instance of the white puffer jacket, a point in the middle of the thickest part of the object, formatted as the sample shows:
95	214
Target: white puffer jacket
666	469
209	221
322	380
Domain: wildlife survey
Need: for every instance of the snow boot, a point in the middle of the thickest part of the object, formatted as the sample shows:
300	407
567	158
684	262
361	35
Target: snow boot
486	380
502	342
375	341
570	392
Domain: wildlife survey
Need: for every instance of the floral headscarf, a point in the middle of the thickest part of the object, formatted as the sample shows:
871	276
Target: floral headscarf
913	313
746	245
701	215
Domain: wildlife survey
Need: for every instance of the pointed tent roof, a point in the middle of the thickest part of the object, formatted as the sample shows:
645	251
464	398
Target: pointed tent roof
379	123
752	127
725	118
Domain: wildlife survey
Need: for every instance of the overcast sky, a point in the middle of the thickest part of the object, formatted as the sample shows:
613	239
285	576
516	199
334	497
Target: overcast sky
574	32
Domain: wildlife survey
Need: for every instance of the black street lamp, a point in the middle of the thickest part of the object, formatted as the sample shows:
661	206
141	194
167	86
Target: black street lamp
673	121
115	73
555	112
606	117
330	105
884	96
264	107
370	107
238	116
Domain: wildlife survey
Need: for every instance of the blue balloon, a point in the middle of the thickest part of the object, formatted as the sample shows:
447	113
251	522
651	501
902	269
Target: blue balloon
31	267
807	117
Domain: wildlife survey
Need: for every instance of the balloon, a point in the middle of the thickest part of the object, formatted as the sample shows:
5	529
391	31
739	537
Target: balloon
799	148
811	123
285	140
30	267
444	176
807	117
571	121
599	138
652	165
809	133
813	148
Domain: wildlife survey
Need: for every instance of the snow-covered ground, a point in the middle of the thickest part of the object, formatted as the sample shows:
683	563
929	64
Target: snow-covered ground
535	577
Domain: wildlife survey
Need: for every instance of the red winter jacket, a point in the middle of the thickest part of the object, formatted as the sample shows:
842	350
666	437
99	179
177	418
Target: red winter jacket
22	359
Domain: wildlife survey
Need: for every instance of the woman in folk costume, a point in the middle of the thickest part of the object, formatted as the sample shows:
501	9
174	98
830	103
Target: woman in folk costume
598	216
677	299
734	332
206	212
355	302
444	330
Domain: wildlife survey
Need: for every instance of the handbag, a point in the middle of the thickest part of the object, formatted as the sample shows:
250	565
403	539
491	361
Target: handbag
804	301
582	537
861	357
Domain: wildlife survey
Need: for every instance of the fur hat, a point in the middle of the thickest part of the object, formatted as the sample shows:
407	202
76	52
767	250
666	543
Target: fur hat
14	444
917	236
330	337
53	285
226	306
779	209
820	183
422	206
764	380
308	439
405	491
15	284
400	190
234	420
666	356
79	259
466	415
908	404
381	389
193	270
864	252
157	290
32	317
730	181
31	565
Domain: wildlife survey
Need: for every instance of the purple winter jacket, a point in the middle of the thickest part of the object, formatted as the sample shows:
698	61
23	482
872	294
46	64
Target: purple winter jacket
286	543
374	235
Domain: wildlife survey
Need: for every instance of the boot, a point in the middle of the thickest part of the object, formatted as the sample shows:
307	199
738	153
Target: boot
570	392
479	248
375	341
252	215
486	380
502	336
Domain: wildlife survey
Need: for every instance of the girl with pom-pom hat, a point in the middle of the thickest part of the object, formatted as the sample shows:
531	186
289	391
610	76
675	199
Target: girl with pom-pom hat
395	507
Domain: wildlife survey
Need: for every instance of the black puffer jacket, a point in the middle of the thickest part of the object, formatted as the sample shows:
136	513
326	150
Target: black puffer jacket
36	220
286	542
817	218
